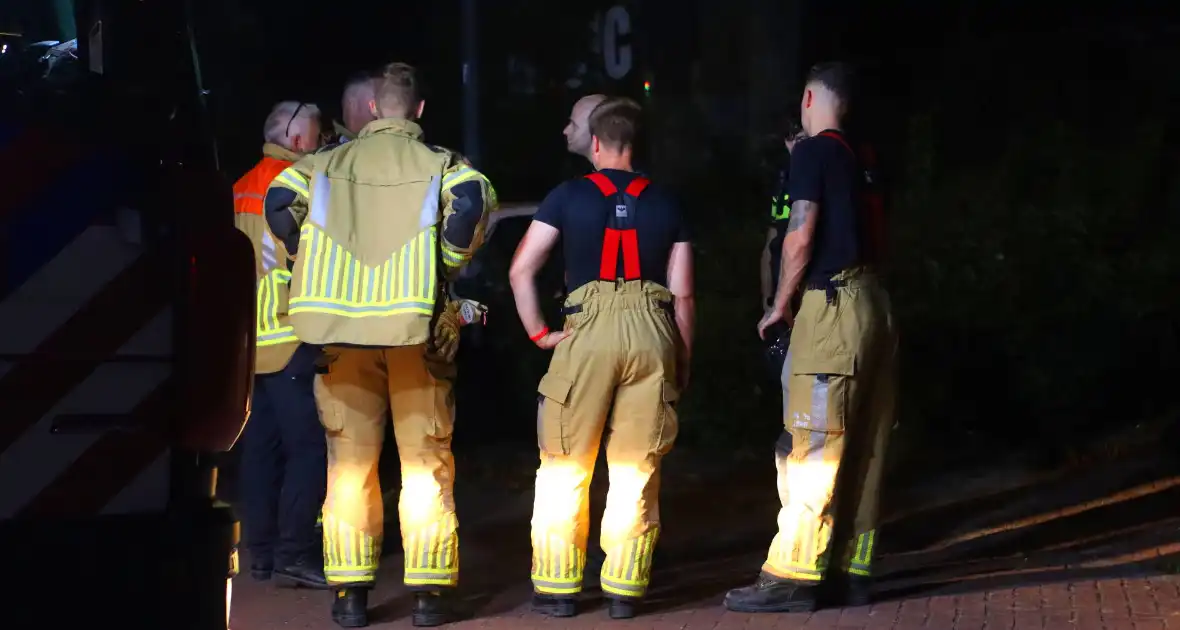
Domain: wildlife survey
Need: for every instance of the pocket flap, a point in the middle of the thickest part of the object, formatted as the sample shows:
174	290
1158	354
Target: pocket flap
842	364
555	387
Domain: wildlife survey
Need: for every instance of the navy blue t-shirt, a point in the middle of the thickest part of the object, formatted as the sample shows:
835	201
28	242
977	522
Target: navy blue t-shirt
579	210
825	171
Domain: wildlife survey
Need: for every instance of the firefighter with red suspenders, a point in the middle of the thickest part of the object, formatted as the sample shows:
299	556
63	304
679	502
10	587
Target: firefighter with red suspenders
622	354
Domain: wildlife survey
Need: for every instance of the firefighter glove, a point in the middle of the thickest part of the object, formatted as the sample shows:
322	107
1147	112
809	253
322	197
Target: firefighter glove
446	330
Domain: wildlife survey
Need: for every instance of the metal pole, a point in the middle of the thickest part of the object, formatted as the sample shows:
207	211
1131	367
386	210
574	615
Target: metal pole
470	52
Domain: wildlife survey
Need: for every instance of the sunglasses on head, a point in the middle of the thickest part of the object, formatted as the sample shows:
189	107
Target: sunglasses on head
293	115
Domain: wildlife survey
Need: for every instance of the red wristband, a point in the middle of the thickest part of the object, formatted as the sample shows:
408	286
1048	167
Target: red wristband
537	337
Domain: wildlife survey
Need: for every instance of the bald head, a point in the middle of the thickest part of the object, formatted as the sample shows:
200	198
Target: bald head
577	130
358	93
293	125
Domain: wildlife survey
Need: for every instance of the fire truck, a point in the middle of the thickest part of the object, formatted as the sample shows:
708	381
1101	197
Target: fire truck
126	327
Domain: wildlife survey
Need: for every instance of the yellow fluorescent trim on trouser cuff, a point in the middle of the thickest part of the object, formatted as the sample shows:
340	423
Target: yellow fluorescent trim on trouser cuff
615	587
793	573
432	581
555	587
351	577
431	577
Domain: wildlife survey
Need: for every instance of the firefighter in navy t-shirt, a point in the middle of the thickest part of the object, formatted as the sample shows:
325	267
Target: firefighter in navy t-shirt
841	373
620	362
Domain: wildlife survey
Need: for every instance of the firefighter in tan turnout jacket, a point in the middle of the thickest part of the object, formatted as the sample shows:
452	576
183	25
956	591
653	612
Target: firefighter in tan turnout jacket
378	225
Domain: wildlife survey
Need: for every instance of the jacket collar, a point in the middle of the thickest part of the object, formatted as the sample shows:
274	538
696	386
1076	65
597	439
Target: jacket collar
272	150
342	132
399	126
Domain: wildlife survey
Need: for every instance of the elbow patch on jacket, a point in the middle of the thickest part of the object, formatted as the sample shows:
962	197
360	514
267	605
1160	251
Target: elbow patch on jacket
277	198
468	210
279	219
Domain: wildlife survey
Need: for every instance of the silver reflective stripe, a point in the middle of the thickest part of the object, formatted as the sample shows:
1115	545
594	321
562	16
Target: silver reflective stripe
429	214
248	195
331	292
819	403
556	585
362	308
627	589
270	257
319	201
818	422
785	377
437	577
634	554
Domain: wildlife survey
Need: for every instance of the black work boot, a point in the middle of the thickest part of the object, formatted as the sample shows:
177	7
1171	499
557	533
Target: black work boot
350	607
772	594
260	570
848	591
621	608
555	605
859	591
304	573
431	609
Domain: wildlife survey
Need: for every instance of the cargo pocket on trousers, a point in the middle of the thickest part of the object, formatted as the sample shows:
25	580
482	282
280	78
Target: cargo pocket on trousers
668	426
552	433
331	411
819	393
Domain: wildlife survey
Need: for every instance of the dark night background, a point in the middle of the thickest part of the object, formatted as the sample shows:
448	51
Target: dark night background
1029	153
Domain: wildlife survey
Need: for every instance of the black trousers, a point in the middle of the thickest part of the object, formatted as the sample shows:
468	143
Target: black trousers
284	466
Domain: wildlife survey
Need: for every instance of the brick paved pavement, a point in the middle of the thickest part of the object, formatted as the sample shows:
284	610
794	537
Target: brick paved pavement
1148	603
952	568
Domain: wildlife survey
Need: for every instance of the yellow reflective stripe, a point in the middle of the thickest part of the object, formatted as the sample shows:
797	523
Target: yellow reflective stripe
805	561
453	257
335	282
350	555
803	575
464	174
294	180
862	560
627	570
434	549
557	566
780	209
270	331
432	553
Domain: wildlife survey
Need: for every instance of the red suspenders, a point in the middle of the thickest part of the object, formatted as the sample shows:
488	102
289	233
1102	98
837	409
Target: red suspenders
620	231
873	207
832	134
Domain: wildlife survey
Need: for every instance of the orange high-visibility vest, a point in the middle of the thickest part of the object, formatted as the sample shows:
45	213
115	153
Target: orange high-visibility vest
250	190
275	339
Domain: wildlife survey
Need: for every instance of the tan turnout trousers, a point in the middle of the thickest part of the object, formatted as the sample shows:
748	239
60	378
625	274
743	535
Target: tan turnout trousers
360	385
839	393
620	362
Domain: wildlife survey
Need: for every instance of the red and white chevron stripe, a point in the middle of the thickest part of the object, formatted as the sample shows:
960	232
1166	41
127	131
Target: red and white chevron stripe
86	361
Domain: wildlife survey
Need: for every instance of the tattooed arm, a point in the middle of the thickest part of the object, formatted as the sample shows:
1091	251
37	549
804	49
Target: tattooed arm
796	251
